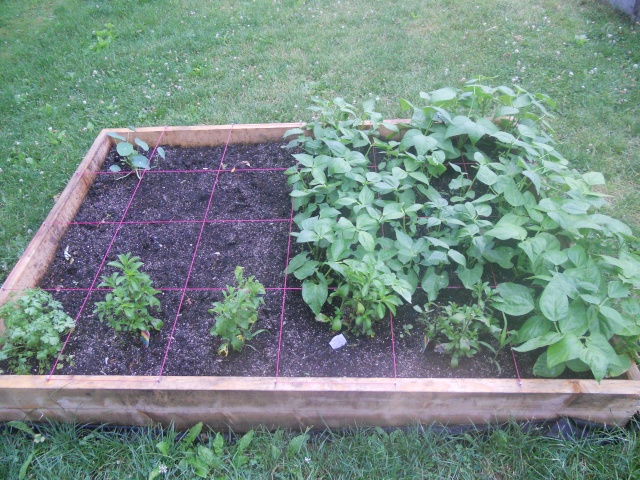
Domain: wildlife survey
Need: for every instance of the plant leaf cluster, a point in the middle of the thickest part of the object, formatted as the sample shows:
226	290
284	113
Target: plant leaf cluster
34	324
133	154
128	306
236	315
472	183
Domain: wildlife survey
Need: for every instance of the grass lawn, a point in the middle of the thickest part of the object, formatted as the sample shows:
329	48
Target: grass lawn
69	68
69	452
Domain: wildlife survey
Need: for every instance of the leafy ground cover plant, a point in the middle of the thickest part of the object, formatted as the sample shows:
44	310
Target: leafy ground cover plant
472	184
133	155
33	324
238	312
128	306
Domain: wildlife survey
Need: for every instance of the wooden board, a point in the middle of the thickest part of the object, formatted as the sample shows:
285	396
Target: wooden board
246	402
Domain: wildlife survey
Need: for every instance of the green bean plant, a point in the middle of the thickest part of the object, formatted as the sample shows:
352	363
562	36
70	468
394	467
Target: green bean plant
471	183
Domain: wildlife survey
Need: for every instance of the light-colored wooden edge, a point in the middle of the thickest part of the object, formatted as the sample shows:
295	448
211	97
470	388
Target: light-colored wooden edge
245	402
242	403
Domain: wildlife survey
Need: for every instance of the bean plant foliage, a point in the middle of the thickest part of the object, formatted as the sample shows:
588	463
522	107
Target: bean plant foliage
376	224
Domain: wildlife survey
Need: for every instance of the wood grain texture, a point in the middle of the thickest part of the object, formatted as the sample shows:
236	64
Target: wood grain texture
244	403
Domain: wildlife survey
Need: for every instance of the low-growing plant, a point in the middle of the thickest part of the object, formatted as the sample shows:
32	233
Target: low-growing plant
473	183
462	326
34	325
236	315
132	154
103	38
127	307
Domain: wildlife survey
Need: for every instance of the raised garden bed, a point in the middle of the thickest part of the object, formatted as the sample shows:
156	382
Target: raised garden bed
286	386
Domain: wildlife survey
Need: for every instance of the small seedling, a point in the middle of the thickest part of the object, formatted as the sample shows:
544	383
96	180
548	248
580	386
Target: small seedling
237	313
33	324
127	307
133	155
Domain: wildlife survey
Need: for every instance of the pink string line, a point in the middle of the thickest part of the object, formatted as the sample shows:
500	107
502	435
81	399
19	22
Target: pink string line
104	258
154	222
284	296
202	170
515	363
193	259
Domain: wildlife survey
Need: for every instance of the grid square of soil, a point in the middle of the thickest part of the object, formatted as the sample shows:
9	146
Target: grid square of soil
165	249
195	350
260	247
97	349
87	245
265	155
172	196
306	350
107	198
251	195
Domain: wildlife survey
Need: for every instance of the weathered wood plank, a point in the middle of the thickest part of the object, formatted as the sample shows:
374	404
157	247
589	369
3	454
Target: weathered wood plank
243	403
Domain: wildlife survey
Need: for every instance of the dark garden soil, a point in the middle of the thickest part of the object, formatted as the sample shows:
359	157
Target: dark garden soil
248	224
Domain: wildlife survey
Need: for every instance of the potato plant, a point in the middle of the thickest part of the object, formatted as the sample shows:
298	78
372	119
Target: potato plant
511	202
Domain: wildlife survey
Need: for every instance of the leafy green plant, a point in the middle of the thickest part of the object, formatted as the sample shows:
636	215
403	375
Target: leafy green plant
33	324
236	315
463	326
127	307
103	38
472	183
132	153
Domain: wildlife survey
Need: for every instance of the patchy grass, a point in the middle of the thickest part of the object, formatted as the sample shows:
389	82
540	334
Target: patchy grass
65	74
68	451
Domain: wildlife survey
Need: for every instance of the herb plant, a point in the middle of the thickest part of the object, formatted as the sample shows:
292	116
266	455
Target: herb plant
127	307
237	313
33	324
462	326
132	154
472	183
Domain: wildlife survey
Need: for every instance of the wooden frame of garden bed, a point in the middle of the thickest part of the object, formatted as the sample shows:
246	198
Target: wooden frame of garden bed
245	402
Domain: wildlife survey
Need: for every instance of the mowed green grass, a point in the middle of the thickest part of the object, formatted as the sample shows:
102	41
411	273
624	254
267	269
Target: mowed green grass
512	452
170	62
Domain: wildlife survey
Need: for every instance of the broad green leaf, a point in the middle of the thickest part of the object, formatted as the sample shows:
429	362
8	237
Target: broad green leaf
442	95
578	256
512	195
541	368
617	289
337	148
569	348
554	303
593	178
114	168
143	145
296	444
457	257
619	324
366	240
507	232
124	149
486	175
140	161
576	321
314	294
535	326
469	277
433	282
545	340
516	299
117	136
462	125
